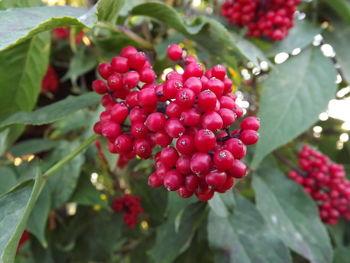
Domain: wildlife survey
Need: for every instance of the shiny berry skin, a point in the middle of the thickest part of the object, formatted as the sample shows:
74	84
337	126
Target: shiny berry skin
249	137
216	86
120	64
200	163
119	113
99	86
162	139
115	82
205	140
193	70
185	145
147	97
190	117
155	180
174	52
184	192
111	130
191	182
173	110
128	51
193	84
207	101
219	72
123	143
142	148
131	79
147	75
105	70
216	179
155	121
171	87
185	98
189	60
168	157
137	60
236	147
139	130
227	185
183	164
227	102
228	117
173	180
137	115
174	128
238	169
131	99
204	197
223	159
212	121
250	123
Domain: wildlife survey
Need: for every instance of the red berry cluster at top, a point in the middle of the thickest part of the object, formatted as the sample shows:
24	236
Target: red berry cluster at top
269	18
325	182
188	116
50	81
130	206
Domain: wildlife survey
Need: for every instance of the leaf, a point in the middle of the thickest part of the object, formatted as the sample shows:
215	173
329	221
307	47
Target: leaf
338	39
7	179
20	24
21	70
87	194
342	7
292	215
15	209
64	183
38	217
341	255
243	236
292	98
207	32
108	10
300	36
5	4
32	146
54	111
171	241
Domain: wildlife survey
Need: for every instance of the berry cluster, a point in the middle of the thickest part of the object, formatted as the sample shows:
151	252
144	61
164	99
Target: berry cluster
269	18
192	110
50	81
325	182
130	206
64	32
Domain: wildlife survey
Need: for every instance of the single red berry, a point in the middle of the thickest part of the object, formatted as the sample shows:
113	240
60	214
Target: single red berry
205	140
174	128
236	147
223	159
212	121
168	157
183	164
111	130
190	117
115	82
173	110
131	79
119	112
99	86
173	180
155	180
219	72
147	75
120	64
105	70
185	145
201	163
142	148
123	143
174	52
162	138
139	130
137	60
184	192
207	101
137	115
238	170
216	179
250	123
185	98
155	121
249	137
193	84
128	51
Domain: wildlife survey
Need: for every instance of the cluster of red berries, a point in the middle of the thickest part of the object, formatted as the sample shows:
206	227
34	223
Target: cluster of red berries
194	110
325	182
50	81
130	206
269	18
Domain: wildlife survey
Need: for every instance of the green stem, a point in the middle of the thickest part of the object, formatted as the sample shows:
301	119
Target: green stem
124	30
70	156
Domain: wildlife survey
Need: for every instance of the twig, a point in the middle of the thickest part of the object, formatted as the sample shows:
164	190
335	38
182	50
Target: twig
289	164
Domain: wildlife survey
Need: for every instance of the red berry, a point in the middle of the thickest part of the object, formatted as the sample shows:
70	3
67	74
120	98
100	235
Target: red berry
142	148
183	164
99	86
115	82
168	157
236	147
120	64
119	112
131	79
249	137
174	52
155	121
155	180
238	170
128	51
174	128
185	98
190	117
201	163
205	140
193	84
250	123
223	159
139	130
137	60
105	70
212	121
173	180
162	138
123	144
111	130
207	100
216	179
185	145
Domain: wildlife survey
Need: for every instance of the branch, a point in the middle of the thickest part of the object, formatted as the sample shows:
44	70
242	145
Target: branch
289	164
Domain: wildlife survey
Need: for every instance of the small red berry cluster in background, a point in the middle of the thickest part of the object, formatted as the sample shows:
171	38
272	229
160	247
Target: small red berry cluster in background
193	110
130	206
63	33
269	18
325	182
50	81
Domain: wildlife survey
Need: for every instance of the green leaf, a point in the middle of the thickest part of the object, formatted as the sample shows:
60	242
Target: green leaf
32	146
293	96
64	183
108	10
342	7
7	179
292	215
207	32
243	236
38	217
21	70
53	112
341	255
15	209
171	239
300	36
20	24
87	194
338	39
5	4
